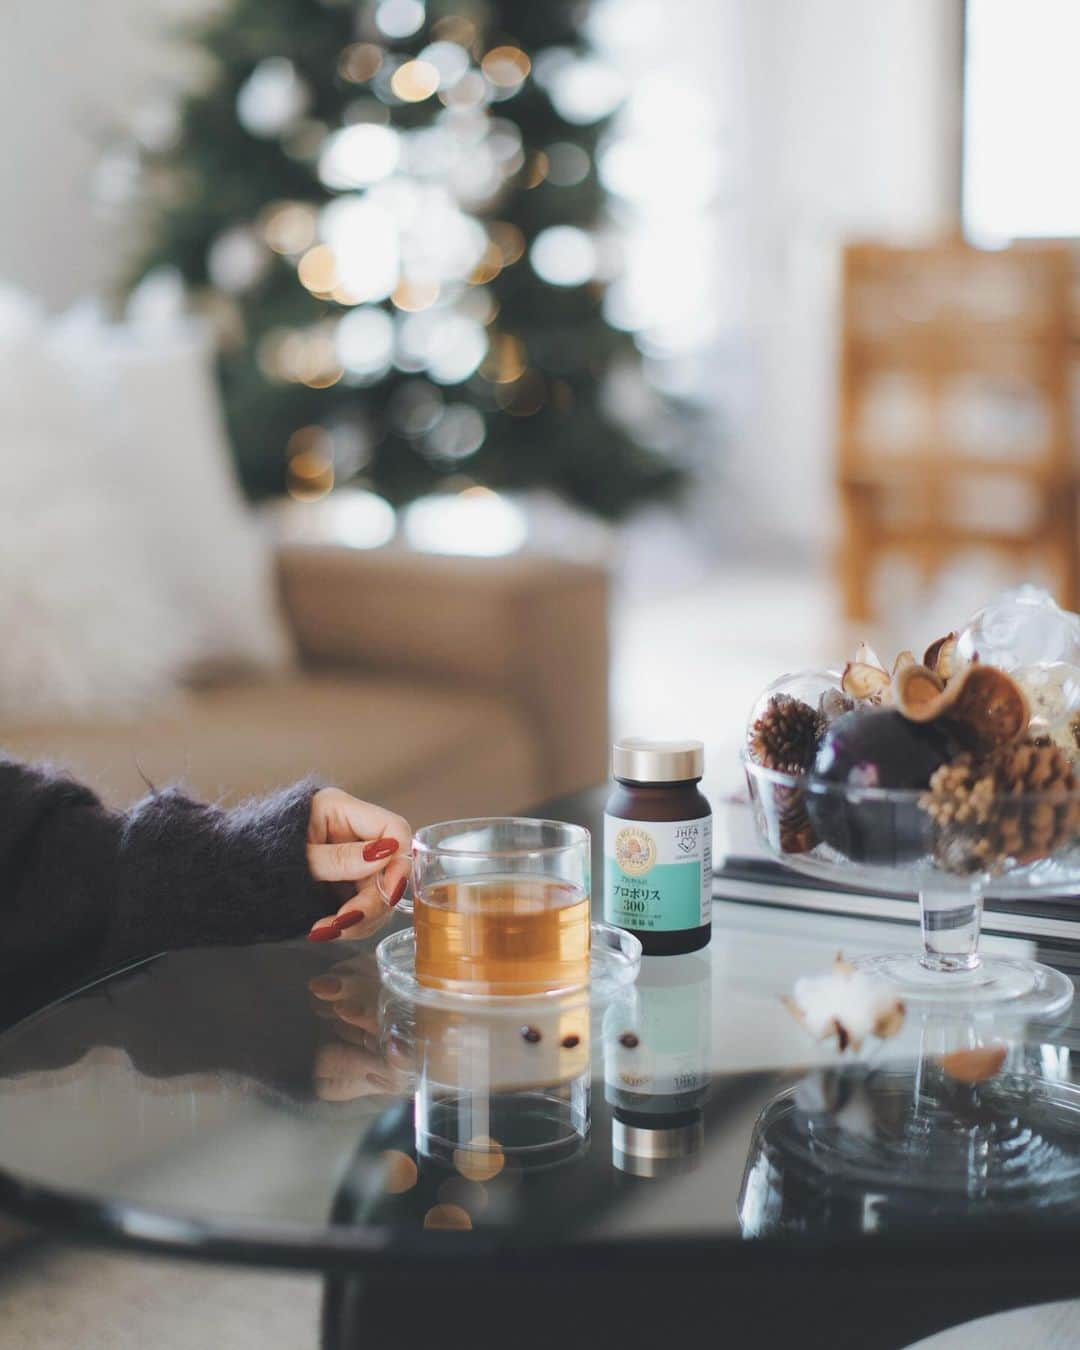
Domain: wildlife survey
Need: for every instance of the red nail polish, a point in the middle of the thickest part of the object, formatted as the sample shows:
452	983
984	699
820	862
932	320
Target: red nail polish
399	891
379	849
349	920
323	932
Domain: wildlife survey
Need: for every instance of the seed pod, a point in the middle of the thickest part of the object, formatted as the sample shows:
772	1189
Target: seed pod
918	691
864	681
940	657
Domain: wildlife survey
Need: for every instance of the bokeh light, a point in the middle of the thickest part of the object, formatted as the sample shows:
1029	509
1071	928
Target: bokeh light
506	67
365	242
505	361
400	1171
458	433
415	407
415	81
471	91
455	28
359	155
523	397
289	227
481	1161
568	164
300	356
412	296
365	343
447	1218
476	522
272	98
360	61
584	90
399	18
317	270
236	260
450	59
348	518
563	255
448	346
534	170
310	472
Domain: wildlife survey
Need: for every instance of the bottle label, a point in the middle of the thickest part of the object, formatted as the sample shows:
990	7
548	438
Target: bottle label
658	874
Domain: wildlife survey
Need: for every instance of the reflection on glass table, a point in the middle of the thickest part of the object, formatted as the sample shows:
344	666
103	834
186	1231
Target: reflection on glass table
976	1127
656	1068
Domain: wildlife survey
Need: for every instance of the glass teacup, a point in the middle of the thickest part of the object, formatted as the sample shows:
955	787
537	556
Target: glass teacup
501	906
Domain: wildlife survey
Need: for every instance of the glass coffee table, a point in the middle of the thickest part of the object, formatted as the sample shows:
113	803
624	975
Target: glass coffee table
678	1157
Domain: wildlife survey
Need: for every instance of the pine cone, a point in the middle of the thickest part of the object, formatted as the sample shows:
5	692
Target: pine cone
981	814
785	738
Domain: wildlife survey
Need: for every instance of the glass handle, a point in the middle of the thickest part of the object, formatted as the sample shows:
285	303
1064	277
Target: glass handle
951	917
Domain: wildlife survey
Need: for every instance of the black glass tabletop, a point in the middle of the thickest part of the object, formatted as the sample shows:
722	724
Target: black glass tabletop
277	1104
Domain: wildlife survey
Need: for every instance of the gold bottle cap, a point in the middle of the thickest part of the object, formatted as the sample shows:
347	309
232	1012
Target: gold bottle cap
644	761
656	1151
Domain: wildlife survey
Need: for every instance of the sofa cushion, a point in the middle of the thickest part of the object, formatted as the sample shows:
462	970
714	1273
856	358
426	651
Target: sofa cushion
428	751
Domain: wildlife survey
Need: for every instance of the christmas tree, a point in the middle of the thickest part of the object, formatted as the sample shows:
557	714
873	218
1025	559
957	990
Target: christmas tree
392	212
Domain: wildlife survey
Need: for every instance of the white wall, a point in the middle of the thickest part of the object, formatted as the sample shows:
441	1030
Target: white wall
70	70
851	130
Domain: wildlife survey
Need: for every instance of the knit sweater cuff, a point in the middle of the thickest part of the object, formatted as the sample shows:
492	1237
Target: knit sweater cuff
195	875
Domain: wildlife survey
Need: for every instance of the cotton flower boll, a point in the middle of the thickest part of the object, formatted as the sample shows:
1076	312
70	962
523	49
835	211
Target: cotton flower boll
846	1004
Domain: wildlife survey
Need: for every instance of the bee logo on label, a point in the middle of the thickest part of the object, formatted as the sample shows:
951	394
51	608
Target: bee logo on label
635	850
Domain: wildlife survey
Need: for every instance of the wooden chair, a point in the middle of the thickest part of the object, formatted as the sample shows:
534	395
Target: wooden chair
955	390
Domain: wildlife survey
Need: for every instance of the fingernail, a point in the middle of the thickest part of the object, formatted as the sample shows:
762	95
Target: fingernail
349	920
399	891
323	932
379	848
325	986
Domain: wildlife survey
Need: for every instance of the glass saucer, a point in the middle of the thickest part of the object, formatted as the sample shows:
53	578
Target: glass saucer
1009	985
614	962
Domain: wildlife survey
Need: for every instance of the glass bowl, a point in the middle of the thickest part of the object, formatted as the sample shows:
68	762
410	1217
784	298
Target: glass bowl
885	840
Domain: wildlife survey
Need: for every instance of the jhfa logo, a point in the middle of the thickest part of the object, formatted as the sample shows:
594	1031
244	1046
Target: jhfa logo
686	838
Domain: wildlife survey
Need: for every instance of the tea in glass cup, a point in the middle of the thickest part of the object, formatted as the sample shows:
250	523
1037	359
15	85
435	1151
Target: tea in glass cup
501	906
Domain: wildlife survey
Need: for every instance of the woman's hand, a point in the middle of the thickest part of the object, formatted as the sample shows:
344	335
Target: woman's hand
350	843
352	1060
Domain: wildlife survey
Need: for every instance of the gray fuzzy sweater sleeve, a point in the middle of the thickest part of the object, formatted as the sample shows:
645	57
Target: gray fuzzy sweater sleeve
84	889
